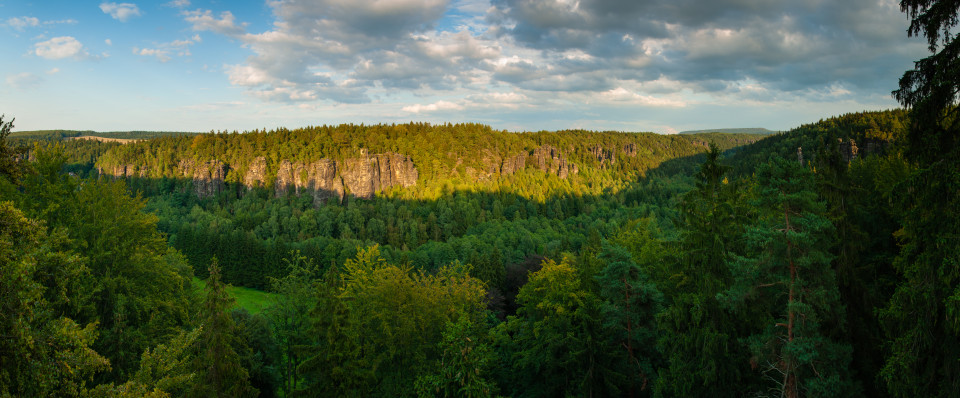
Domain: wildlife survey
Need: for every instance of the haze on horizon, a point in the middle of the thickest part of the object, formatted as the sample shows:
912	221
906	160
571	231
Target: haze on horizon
662	65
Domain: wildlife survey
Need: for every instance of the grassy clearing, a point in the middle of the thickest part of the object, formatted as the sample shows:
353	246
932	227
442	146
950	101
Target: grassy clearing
252	300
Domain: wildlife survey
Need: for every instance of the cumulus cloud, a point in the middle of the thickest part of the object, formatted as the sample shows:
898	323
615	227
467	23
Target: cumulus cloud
24	80
178	3
161	55
784	44
60	48
164	51
436	106
204	20
120	11
20	23
652	54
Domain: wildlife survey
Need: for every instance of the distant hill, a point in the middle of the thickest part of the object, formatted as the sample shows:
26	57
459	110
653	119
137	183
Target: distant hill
755	130
59	135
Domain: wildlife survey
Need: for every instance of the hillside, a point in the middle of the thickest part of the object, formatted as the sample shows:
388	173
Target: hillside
754	130
411	160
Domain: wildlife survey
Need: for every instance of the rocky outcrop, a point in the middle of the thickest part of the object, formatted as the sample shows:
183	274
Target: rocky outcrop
256	173
848	149
549	160
362	176
207	176
368	174
513	164
126	171
318	179
603	156
630	150
545	158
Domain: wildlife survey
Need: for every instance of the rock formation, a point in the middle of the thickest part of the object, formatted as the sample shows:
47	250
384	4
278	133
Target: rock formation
207	176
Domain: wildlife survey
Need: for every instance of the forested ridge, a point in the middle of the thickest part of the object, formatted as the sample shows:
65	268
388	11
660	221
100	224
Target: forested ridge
819	262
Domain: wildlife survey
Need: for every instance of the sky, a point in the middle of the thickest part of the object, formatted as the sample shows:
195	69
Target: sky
520	65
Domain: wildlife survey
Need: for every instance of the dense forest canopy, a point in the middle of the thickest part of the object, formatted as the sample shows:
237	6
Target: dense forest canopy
460	261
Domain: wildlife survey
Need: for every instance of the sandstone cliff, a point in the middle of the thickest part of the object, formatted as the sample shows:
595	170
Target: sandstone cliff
362	176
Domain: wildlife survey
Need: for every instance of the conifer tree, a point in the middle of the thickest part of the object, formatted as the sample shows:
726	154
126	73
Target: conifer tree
631	301
217	363
921	319
698	336
789	280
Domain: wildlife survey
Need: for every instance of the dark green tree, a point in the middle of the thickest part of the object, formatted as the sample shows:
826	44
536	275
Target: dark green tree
789	279
921	319
556	342
630	304
698	335
220	372
289	313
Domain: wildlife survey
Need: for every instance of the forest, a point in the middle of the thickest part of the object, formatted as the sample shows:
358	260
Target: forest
456	260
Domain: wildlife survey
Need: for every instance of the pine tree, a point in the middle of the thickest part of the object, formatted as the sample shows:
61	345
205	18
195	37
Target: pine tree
921	319
217	362
790	281
631	301
698	336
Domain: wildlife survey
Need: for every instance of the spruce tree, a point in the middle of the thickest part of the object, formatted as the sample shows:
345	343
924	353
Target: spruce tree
921	319
217	362
789	281
698	336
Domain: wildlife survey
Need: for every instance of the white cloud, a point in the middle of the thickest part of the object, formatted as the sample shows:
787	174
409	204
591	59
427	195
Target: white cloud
163	51
434	107
53	71
20	23
622	95
60	48
24	80
204	20
178	3
161	55
120	11
108	42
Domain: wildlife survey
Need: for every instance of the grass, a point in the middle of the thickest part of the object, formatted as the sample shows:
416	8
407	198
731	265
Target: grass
249	299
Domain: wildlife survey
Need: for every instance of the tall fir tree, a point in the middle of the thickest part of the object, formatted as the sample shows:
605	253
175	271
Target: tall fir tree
922	319
218	366
788	279
630	304
698	336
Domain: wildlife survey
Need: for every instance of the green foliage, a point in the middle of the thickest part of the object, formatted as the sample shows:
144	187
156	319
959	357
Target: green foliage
921	317
788	281
11	157
165	371
42	353
631	302
289	314
698	336
464	368
378	325
220	372
555	343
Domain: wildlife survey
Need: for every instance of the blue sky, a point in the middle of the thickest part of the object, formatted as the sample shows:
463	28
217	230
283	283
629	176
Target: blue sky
626	65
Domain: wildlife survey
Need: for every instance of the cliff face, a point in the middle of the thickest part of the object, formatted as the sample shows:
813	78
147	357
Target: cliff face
126	170
207	177
549	160
361	177
545	158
